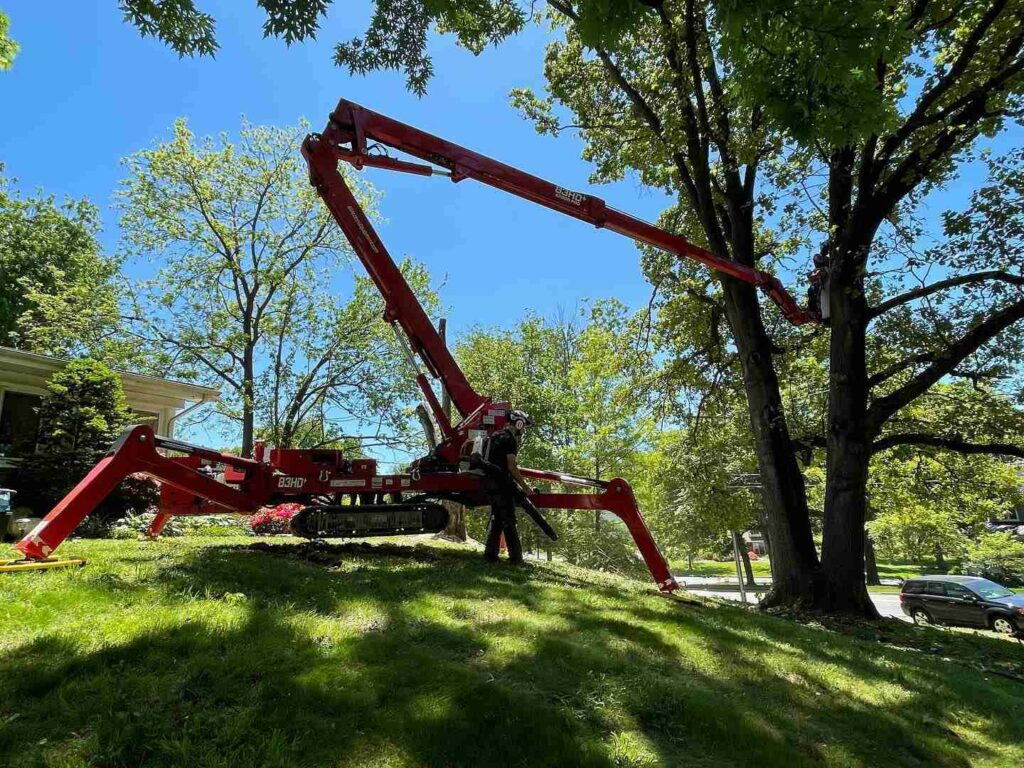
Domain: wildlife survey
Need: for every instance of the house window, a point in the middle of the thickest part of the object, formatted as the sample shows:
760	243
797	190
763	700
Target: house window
19	424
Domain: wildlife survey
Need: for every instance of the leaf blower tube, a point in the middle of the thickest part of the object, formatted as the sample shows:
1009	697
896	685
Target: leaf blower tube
495	475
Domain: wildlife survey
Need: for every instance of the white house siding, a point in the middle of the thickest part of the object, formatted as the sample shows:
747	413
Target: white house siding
159	399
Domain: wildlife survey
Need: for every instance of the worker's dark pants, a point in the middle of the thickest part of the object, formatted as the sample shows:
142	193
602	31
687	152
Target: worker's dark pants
503	521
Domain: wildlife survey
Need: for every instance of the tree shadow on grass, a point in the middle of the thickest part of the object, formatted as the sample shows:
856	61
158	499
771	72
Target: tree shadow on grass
440	660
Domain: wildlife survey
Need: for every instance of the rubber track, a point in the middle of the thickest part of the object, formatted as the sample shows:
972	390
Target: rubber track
345	522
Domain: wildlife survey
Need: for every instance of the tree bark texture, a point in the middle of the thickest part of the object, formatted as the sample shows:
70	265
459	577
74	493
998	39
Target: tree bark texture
841	587
786	520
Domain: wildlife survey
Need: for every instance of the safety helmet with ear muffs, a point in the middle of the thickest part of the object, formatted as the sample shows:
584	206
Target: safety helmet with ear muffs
519	419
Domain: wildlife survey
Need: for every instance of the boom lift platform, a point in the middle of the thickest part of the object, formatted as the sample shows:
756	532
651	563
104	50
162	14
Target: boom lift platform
347	497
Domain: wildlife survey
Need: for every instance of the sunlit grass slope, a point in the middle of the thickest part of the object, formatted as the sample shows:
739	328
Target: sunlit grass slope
233	653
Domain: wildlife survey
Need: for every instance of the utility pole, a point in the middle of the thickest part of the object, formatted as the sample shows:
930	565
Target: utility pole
446	399
739	566
456	528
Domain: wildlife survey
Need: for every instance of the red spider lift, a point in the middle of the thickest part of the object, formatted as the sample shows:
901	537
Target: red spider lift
347	497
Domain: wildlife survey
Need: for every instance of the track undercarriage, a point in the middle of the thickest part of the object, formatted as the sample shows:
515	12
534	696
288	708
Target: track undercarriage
359	521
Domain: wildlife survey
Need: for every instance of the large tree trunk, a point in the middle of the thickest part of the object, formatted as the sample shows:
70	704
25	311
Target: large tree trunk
785	520
841	586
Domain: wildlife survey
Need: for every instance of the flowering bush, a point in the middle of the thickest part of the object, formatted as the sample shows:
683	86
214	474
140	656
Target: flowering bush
270	520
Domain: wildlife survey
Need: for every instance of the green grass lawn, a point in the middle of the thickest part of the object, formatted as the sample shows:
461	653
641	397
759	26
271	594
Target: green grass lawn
214	652
903	570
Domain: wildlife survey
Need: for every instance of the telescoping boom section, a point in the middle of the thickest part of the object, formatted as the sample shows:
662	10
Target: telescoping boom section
341	496
355	131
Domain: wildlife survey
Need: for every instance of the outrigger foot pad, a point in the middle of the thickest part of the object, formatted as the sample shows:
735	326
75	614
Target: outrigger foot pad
50	563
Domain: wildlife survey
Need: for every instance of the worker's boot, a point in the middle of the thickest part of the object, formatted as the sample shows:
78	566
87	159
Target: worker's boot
493	541
514	546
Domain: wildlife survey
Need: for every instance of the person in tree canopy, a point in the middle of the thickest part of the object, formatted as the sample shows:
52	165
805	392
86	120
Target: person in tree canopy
500	480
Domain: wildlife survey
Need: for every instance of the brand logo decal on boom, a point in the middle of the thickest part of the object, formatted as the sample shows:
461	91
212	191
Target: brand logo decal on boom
576	198
362	228
291	482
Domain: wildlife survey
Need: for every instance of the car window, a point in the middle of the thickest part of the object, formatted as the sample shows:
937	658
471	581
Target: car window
989	589
913	587
955	590
935	588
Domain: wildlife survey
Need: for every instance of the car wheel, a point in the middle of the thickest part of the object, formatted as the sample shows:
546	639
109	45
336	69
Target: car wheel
921	617
1003	625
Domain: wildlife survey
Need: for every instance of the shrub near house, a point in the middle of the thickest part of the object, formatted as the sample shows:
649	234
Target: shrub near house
81	414
999	557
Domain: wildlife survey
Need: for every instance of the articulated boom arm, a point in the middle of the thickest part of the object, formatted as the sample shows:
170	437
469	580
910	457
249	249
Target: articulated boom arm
355	126
400	304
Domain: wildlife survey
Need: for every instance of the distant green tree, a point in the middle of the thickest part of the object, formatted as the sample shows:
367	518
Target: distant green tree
244	295
579	378
82	412
83	409
996	556
8	47
58	291
713	489
928	498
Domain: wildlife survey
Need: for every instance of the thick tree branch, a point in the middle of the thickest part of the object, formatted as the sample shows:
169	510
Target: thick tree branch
954	443
970	49
889	371
693	67
945	363
696	125
953	282
959	127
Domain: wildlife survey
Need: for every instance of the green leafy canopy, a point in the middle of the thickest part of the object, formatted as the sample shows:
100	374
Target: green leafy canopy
59	294
8	47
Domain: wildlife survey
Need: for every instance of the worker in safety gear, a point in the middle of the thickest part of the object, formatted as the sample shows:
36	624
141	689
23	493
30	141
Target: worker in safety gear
818	301
500	482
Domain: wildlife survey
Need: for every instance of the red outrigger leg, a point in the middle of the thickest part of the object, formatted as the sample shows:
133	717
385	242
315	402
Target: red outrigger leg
134	453
616	497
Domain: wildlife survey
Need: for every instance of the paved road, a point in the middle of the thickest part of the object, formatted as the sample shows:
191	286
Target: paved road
887	604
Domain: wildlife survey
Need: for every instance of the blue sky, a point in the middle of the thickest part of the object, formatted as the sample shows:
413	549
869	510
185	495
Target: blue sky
87	90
